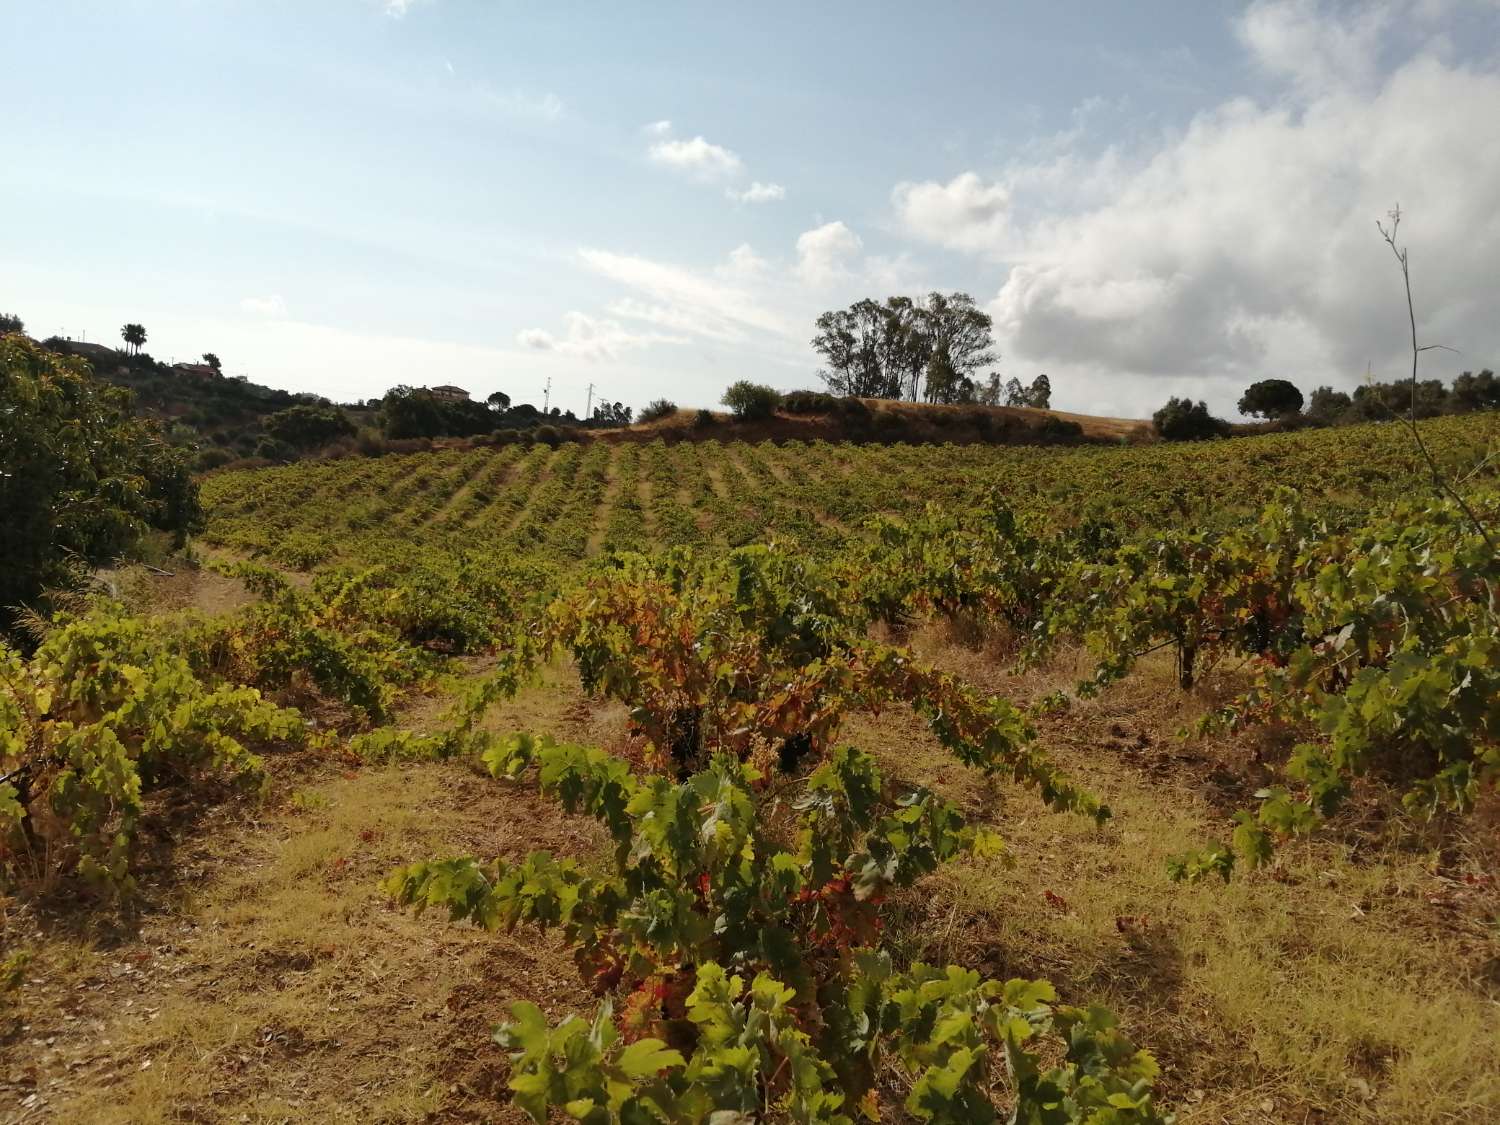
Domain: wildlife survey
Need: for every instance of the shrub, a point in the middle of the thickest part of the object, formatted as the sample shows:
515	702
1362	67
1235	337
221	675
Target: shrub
548	435
214	459
1182	419
80	477
656	410
812	402
1055	430
751	400
306	426
705	419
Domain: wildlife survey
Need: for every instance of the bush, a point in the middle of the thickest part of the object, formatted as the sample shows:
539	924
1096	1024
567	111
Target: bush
307	427
1182	419
751	400
1056	431
81	478
549	436
214	459
705	419
812	402
656	410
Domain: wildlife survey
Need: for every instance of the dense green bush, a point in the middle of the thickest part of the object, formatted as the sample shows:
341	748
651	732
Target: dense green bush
305	426
81	478
751	400
1182	419
811	402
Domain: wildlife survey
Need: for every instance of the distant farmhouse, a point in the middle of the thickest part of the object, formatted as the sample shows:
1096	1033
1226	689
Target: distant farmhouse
448	393
195	370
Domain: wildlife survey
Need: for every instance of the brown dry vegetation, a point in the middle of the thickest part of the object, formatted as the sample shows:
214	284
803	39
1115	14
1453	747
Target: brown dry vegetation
266	979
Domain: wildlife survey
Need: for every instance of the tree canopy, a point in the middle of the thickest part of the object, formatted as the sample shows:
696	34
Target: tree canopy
308	426
1271	398
929	350
134	336
81	478
1182	419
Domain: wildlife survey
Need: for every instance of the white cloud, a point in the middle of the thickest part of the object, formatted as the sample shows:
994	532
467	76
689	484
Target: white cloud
661	128
757	192
824	253
698	157
711	306
272	306
593	339
1244	245
964	214
1316	49
743	263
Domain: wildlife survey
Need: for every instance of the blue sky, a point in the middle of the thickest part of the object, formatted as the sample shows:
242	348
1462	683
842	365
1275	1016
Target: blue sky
1151	199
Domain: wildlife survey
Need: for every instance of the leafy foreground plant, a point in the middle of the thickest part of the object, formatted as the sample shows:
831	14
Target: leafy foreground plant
756	985
104	708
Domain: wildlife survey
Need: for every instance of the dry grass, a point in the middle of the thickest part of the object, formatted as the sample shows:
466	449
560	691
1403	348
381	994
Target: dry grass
271	982
1356	981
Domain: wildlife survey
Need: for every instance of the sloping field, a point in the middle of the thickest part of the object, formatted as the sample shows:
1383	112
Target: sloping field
562	505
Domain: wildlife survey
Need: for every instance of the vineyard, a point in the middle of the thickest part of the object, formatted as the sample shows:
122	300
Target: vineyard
801	782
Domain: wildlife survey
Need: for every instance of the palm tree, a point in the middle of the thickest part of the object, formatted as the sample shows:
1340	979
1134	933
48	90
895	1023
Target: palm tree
135	336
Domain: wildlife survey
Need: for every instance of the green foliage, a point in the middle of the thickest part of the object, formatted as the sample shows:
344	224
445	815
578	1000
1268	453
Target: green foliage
1182	419
751	400
81	480
414	412
307	426
104	709
656	410
1271	398
756	956
9	322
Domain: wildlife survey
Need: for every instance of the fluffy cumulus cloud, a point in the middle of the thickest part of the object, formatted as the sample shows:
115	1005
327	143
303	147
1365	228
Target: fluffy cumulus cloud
1245	245
825	253
695	156
700	159
271	306
964	214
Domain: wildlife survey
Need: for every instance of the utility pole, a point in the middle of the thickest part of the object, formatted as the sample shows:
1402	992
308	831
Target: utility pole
547	394
588	410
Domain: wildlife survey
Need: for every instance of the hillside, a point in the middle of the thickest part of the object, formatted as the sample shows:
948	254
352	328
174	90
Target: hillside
195	406
566	504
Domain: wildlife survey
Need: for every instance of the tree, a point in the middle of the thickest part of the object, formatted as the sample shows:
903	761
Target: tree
498	401
751	400
958	333
989	392
1327	406
611	414
1015	394
1182	419
213	361
411	412
1039	394
1476	392
1271	398
890	349
9	322
135	337
81	478
849	340
306	427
